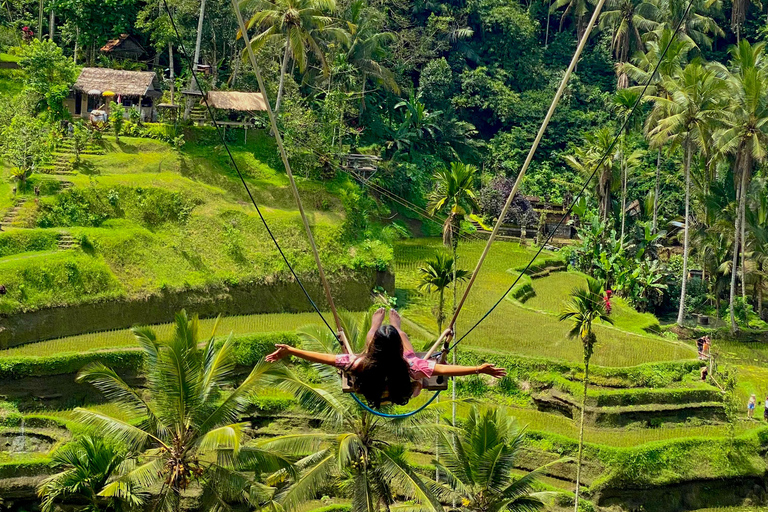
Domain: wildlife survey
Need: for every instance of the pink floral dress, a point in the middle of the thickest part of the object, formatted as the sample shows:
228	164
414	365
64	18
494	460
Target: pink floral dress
419	369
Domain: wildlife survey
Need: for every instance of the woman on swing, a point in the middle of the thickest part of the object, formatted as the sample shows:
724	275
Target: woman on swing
388	369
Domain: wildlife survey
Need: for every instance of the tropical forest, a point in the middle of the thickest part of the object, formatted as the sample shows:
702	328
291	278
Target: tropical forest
383	255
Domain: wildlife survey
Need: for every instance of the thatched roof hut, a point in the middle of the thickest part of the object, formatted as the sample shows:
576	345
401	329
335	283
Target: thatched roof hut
120	82
126	46
237	101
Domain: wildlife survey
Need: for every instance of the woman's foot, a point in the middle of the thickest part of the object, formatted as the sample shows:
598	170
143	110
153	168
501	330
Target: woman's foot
378	317
394	319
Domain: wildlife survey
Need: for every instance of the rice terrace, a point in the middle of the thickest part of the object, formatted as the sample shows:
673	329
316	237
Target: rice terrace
375	255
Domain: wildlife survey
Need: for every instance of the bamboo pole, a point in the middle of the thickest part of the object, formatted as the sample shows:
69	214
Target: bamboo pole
284	157
529	158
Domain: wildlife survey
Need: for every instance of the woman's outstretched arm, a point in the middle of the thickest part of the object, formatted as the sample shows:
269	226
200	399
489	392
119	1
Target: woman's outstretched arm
313	357
450	370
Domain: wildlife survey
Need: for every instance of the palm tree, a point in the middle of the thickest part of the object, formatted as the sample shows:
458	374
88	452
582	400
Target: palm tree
585	307
367	46
296	24
624	102
354	446
186	435
479	461
626	19
419	127
86	464
454	193
697	25
757	220
579	9
745	135
436	275
586	158
641	72
687	117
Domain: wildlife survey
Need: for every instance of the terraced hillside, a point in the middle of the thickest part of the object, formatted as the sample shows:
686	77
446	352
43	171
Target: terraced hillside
139	220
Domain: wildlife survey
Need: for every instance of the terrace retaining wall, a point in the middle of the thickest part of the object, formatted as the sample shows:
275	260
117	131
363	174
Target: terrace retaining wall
697	494
352	291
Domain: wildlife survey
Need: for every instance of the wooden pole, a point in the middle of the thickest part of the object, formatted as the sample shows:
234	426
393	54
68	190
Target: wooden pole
284	157
529	158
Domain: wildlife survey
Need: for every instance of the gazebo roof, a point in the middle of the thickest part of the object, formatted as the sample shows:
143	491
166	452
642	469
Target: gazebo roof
235	100
121	82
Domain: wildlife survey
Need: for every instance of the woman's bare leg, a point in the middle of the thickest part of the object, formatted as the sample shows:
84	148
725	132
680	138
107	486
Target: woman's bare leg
376	320
395	321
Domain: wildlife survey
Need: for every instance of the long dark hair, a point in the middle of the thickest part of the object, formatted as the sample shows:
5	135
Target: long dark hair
384	370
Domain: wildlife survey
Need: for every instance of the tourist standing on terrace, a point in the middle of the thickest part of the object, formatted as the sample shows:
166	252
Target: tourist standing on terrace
751	406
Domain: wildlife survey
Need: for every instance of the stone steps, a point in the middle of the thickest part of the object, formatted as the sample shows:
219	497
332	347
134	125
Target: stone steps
67	242
10	216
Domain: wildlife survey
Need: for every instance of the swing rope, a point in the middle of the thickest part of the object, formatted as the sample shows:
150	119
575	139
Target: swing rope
340	336
589	179
529	158
232	161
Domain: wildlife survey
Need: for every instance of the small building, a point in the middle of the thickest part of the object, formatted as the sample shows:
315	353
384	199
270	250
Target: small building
233	108
125	47
236	102
140	89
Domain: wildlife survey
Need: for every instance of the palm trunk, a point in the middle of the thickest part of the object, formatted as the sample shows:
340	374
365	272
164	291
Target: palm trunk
454	246
51	24
623	187
282	77
735	260
199	39
656	193
77	36
362	98
743	213
581	435
684	279
440	305
171	72
760	296
40	20
546	34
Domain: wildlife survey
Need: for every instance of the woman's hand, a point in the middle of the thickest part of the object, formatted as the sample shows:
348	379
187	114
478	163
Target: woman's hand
447	334
282	351
492	370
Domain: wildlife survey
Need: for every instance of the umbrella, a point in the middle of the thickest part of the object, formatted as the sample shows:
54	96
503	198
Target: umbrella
94	92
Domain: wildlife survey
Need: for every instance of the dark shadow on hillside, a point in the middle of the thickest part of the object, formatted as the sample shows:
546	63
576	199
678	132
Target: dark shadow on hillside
87	168
125	148
193	259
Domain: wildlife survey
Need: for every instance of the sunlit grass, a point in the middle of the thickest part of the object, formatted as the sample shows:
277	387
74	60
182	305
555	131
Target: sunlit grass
521	329
122	338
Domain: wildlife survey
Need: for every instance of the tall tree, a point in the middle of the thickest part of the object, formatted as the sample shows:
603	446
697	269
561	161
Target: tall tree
295	25
586	306
698	24
479	463
627	20
580	11
687	117
745	136
589	156
641	71
436	275
366	46
187	435
624	102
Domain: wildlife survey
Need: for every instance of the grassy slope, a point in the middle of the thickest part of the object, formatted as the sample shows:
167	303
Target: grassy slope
222	240
522	329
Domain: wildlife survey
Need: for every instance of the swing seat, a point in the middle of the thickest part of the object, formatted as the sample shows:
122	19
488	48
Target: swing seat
434	383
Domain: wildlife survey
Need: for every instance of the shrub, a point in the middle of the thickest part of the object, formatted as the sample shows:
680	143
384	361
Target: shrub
18	241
